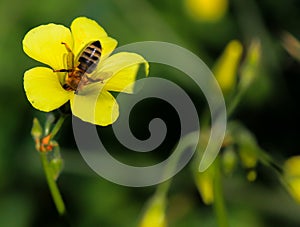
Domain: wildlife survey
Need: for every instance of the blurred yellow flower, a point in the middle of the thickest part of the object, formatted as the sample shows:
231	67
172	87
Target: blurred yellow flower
206	10
154	214
291	173
45	88
205	184
226	68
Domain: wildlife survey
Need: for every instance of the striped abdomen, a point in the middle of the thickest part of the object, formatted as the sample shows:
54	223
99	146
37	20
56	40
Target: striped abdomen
88	61
90	57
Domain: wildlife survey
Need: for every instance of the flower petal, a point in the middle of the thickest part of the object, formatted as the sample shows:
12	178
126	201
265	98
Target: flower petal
96	107
43	44
123	69
85	30
43	89
108	45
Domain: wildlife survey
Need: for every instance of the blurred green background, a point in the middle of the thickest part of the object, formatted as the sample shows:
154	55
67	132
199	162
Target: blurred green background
269	109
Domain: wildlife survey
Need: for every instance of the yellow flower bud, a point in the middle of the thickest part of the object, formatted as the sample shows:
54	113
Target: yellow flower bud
154	214
292	166
251	175
206	10
205	184
226	67
291	171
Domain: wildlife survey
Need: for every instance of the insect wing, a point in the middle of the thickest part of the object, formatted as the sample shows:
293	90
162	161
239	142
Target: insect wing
102	76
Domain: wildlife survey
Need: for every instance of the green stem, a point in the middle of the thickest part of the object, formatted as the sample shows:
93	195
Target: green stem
234	103
163	188
57	126
60	206
219	203
267	160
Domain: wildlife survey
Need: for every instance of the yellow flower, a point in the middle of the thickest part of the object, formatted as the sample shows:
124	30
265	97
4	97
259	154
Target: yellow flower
206	10
291	173
205	184
91	102
154	214
226	67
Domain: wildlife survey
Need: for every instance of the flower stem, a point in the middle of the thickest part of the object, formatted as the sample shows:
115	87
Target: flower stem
234	103
60	206
59	203
162	189
219	203
57	126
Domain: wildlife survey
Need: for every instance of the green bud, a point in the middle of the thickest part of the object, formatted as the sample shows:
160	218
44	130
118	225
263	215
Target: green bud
56	166
229	160
56	162
251	175
36	130
251	65
248	150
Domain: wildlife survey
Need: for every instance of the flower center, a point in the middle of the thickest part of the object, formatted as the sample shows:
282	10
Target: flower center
88	61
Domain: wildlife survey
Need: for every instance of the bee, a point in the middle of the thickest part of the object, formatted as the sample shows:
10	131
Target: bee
87	62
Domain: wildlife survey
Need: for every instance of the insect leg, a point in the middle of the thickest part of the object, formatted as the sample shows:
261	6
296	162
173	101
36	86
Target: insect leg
69	57
63	70
94	80
69	60
67	47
